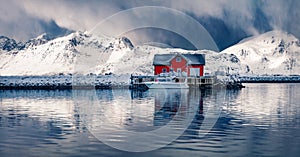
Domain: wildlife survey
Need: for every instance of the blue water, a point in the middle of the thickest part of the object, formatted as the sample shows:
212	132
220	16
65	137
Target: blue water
260	120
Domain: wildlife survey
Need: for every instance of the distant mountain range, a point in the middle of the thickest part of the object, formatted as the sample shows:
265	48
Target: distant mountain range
272	53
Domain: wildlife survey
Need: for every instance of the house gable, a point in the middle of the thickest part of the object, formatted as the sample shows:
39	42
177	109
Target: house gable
179	63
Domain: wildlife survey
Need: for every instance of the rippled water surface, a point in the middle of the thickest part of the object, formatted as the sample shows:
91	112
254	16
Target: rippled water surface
260	120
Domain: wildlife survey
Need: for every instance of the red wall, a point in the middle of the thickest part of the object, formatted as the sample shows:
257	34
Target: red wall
175	65
181	64
158	69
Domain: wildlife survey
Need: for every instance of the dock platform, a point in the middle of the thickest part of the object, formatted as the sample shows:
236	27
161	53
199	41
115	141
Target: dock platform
136	82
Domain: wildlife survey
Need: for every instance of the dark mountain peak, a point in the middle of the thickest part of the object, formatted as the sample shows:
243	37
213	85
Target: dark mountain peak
126	42
7	44
78	37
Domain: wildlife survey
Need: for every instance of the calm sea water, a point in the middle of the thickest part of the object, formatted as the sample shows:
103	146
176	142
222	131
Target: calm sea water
260	120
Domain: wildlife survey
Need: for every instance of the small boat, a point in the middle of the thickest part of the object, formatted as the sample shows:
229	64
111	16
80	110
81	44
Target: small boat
166	83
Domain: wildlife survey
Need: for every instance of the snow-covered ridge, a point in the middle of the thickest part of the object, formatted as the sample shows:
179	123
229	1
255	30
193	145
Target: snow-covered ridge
7	44
41	56
272	53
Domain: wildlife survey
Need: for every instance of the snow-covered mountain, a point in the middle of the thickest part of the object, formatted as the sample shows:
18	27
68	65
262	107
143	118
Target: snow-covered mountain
41	56
274	52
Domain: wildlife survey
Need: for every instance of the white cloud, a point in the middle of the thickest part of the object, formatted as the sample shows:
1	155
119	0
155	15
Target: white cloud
76	15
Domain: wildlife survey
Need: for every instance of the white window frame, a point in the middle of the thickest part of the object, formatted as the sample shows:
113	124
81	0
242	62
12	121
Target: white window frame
194	71
178	59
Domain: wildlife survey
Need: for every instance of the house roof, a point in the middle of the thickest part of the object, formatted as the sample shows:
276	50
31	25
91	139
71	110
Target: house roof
192	59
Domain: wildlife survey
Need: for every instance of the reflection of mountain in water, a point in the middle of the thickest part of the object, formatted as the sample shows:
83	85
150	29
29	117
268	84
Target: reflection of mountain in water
260	120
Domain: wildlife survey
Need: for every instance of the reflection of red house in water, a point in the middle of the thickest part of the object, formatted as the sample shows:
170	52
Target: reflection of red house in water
181	64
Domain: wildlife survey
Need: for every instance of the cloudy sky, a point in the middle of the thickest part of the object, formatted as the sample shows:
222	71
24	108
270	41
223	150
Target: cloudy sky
228	21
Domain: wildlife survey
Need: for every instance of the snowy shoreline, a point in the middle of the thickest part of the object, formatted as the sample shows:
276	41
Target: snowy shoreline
270	79
65	82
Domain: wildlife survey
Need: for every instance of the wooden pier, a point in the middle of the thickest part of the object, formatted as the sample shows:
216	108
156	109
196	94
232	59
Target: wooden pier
203	82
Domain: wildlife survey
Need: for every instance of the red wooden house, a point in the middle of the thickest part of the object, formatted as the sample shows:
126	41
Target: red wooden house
180	64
